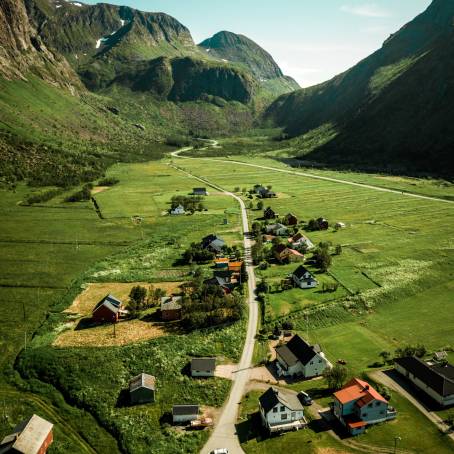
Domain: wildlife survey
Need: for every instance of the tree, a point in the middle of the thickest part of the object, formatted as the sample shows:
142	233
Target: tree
322	259
259	205
385	356
137	300
336	377
250	205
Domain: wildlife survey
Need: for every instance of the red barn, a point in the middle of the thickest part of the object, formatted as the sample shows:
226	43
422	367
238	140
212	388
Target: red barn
171	308
33	436
107	310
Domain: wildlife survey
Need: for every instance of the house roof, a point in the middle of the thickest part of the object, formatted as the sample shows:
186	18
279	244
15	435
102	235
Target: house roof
182	410
290	215
273	396
235	265
269	210
29	436
280	248
222	260
171	303
354	423
360	391
217	244
438	378
203	364
199	189
301	271
179	207
111	303
142	381
296	349
295	252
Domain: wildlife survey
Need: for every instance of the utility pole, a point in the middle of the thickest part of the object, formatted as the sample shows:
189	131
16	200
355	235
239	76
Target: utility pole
25	339
396	439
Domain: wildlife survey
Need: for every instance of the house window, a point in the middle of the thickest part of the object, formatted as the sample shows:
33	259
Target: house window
370	405
284	416
275	410
282	408
293	414
319	360
312	362
382	412
377	404
364	414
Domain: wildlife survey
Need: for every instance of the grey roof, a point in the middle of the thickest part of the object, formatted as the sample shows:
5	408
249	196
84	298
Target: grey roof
274	396
217	244
203	364
142	381
218	280
301	271
28	437
438	378
171	303
182	410
297	349
112	303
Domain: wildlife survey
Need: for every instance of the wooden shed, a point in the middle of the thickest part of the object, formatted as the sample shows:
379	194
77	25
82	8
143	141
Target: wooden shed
184	413
142	389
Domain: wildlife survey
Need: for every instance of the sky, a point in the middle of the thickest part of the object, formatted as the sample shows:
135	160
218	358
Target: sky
311	40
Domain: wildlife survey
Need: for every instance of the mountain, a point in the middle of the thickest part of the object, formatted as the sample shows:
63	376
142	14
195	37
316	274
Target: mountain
228	46
393	109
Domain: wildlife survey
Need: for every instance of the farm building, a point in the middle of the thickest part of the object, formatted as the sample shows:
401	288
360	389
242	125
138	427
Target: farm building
213	243
283	253
177	210
32	436
436	380
277	229
299	239
200	191
203	367
171	308
109	309
269	213
184	413
303	278
290	219
142	389
358	405
281	410
298	358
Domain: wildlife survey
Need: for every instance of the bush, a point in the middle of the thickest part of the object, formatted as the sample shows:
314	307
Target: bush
177	141
109	181
82	195
43	196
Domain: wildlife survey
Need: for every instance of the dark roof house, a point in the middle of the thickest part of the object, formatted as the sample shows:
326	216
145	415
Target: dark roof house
269	213
185	413
108	309
297	349
203	367
199	191
273	396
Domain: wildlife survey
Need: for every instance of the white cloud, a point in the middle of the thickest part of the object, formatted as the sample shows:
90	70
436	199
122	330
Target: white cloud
365	10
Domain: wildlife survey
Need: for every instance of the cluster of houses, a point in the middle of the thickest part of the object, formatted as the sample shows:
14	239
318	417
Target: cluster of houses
179	209
263	192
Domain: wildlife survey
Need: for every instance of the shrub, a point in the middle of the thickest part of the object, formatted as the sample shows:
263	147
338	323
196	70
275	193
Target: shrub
82	195
109	181
43	196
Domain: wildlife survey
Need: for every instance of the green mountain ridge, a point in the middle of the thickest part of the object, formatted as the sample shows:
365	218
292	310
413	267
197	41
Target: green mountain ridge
393	109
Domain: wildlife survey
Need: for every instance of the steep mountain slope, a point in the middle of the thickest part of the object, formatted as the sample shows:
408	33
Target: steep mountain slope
392	109
229	46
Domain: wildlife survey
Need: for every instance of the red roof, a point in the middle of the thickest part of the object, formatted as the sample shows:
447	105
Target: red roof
296	253
355	424
359	391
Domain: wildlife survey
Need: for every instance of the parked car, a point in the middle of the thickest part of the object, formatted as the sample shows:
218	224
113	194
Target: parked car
304	398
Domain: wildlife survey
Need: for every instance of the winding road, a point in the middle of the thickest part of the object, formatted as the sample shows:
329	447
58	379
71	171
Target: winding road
224	434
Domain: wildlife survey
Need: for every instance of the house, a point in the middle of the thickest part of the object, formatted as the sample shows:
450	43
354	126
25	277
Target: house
298	358
281	410
436	380
290	219
235	267
358	405
225	280
203	367
32	436
109	309
184	413
303	278
171	308
269	213
277	229
214	243
199	191
142	389
265	193
441	356
283	253
177	210
323	224
299	240
222	263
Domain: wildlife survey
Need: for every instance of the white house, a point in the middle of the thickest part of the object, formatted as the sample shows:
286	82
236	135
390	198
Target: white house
281	410
203	367
277	229
177	210
301	240
184	413
437	380
303	278
297	358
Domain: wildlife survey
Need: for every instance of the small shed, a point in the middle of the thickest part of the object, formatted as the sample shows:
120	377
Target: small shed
108	309
199	191
203	367
32	436
171	308
142	389
269	213
291	219
184	413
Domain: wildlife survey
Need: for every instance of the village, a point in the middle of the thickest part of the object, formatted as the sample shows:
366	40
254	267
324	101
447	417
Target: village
215	295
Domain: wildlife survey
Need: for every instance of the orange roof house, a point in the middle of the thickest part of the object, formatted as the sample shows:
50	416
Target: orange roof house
235	266
358	405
